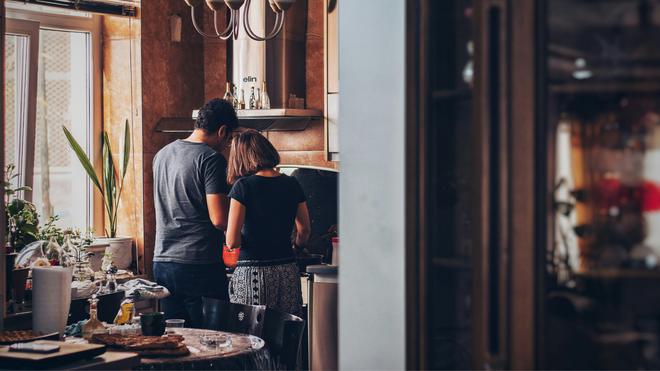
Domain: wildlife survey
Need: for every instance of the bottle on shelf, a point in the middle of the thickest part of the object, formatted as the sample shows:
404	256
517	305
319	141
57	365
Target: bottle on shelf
253	99
235	95
258	98
241	103
228	95
265	99
93	325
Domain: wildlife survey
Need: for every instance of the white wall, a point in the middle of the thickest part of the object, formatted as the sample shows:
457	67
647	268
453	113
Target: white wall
371	188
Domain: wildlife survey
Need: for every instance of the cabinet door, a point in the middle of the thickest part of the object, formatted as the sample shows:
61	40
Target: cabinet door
441	265
471	105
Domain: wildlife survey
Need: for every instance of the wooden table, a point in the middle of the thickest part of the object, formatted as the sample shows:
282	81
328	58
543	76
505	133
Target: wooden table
109	360
245	352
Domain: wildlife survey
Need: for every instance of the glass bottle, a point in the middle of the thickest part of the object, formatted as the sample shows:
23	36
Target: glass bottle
228	96
236	103
111	285
93	325
265	99
126	311
53	252
253	100
241	103
69	251
258	98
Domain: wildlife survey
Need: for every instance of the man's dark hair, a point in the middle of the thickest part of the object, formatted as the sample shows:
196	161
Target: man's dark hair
214	114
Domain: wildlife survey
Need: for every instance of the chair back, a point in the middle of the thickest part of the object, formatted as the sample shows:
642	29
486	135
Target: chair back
283	334
224	316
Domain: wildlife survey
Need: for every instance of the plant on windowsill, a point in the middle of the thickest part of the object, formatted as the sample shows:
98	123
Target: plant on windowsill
22	220
110	184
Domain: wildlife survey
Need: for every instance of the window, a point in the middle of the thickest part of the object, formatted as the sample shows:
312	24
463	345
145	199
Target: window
51	82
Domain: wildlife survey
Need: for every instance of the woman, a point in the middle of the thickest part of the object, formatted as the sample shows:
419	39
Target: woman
265	206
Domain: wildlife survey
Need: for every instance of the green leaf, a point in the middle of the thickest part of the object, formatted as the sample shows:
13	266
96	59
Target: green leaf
127	150
82	157
110	182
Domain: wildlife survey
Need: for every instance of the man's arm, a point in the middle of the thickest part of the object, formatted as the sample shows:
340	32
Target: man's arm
218	205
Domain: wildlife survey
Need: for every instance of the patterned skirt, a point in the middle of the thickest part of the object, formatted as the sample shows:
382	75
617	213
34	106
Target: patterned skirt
276	286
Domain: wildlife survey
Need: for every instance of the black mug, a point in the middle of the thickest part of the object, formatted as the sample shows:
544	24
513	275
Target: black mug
153	324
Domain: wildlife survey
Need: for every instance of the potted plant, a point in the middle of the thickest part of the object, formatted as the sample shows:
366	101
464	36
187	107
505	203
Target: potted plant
22	225
110	184
21	228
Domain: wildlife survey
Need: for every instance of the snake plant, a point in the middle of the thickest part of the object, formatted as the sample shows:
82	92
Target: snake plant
111	182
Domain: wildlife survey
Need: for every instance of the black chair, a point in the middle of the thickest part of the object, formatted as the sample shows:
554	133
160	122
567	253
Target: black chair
283	334
224	316
107	307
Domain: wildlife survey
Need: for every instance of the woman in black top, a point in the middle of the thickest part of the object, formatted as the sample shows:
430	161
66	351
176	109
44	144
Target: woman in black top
265	207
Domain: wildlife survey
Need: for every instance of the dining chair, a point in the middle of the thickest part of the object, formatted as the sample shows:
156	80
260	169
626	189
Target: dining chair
283	333
224	316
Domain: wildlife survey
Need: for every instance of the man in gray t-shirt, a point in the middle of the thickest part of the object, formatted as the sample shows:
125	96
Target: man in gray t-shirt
190	198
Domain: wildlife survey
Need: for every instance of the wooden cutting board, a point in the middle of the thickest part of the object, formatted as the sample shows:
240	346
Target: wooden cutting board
68	353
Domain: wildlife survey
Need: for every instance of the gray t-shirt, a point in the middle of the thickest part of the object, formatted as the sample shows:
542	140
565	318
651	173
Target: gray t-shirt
184	173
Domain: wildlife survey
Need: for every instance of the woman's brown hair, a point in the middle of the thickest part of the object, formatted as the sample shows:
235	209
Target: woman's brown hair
250	153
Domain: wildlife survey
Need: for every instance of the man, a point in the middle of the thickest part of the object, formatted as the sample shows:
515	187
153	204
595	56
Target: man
190	197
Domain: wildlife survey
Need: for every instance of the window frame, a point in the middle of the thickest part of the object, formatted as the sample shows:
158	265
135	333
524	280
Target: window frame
21	20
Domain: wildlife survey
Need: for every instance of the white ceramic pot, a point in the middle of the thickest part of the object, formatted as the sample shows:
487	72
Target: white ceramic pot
121	249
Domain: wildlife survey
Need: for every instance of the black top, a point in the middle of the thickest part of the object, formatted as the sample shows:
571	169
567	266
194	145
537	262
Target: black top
271	204
184	173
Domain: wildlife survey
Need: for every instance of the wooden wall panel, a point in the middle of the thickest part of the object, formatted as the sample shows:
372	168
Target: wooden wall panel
172	86
122	101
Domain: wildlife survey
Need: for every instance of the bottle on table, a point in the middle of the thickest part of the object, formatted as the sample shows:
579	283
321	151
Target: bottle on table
93	325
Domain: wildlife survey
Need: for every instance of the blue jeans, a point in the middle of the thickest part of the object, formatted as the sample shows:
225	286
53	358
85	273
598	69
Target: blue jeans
187	284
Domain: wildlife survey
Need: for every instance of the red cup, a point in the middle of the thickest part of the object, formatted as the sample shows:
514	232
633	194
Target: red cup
230	256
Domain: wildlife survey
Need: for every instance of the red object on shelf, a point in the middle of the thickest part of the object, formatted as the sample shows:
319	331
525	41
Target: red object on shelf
230	256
